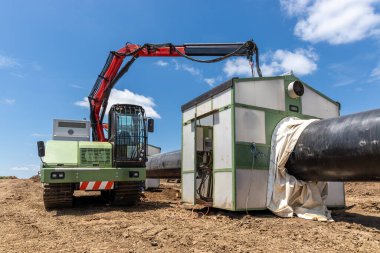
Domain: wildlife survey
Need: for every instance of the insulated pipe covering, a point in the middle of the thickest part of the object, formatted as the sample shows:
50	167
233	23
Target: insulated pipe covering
165	165
339	149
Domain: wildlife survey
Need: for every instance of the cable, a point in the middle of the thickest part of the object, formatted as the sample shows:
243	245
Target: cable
42	161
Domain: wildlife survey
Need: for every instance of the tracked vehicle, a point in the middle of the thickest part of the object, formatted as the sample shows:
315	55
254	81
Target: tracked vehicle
116	168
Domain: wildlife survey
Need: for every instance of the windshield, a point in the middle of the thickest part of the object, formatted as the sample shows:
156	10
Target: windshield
130	136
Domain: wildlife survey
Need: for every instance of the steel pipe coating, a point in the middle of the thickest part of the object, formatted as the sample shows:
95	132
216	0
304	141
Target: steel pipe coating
339	149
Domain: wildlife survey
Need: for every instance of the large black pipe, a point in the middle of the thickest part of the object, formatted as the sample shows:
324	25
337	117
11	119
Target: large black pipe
339	149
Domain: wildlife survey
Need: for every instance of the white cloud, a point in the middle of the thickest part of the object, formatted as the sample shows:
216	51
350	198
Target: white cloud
293	7
375	74
8	62
334	21
176	64
344	83
127	97
8	101
300	61
83	103
76	86
210	81
26	167
161	63
193	71
21	168
187	68
237	67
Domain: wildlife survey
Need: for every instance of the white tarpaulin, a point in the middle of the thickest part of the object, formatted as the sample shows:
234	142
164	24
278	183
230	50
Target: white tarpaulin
286	195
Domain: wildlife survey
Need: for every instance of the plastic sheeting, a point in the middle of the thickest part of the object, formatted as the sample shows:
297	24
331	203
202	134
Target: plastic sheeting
287	196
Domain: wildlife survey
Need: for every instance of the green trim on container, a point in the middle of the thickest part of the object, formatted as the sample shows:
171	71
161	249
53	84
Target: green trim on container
286	78
226	107
271	121
272	117
207	114
187	171
222	170
233	142
291	101
239	80
204	115
321	94
244	156
258	108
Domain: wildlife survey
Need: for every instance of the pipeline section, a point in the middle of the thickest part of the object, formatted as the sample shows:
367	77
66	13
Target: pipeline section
341	149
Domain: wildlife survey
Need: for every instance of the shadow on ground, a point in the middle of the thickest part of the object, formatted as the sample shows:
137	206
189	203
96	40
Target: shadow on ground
355	218
88	205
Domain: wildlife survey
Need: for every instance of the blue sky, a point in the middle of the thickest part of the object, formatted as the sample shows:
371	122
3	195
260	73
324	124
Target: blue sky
52	51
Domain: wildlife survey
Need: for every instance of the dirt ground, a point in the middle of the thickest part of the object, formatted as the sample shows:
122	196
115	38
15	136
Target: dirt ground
160	223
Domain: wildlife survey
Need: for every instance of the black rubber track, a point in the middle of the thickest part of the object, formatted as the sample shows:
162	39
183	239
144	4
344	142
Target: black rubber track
58	195
126	193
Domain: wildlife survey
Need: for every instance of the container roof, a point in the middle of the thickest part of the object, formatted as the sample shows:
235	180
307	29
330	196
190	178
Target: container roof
218	89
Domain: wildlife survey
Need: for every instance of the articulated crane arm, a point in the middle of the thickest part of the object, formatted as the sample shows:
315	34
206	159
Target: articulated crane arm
111	72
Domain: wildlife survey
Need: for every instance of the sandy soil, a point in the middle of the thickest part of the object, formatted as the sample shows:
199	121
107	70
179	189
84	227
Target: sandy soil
160	223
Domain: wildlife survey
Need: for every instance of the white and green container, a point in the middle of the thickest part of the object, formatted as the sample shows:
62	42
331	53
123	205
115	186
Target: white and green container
234	115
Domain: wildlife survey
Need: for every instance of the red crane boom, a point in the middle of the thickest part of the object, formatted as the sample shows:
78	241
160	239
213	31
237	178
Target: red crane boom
111	72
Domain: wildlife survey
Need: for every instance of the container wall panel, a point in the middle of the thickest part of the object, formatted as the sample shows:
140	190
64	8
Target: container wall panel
267	93
188	187
221	100
257	180
223	190
315	105
188	147
204	107
335	196
189	114
222	140
250	125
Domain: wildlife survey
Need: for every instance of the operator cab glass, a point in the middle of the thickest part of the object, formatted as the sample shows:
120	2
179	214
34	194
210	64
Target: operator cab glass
127	134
